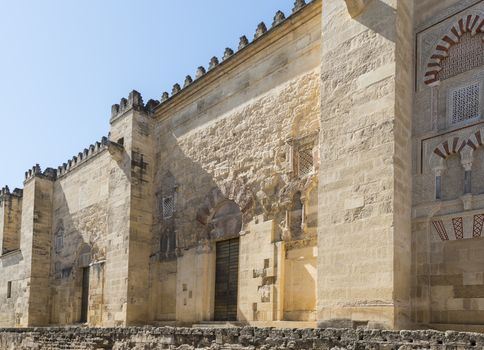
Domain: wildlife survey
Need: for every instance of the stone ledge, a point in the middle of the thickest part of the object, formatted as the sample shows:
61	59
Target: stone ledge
234	338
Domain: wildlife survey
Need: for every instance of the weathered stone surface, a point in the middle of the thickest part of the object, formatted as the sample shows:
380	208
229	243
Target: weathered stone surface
243	42
228	52
341	151
149	338
278	18
261	29
213	63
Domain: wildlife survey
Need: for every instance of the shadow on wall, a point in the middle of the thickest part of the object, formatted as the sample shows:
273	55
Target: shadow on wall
189	184
376	16
75	280
181	186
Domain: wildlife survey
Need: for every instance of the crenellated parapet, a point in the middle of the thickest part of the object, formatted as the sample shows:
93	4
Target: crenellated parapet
10	219
135	100
36	171
82	157
53	174
260	32
5	192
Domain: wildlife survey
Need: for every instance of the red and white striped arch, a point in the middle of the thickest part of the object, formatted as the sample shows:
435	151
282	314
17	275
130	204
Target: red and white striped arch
473	24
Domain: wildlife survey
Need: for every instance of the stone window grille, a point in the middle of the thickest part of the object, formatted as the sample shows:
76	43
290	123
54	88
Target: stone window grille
57	267
463	56
464	103
303	155
168	204
305	160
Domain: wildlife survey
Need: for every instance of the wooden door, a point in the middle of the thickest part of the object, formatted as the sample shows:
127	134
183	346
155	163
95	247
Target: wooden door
226	280
85	294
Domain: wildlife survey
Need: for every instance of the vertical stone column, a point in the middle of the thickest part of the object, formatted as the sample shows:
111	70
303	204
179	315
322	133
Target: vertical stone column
365	173
10	219
466	159
36	233
130	213
438	166
438	185
467	181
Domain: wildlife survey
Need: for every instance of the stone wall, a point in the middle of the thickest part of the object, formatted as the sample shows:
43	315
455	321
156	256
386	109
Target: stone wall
324	145
447	185
230	139
79	227
364	201
10	214
232	338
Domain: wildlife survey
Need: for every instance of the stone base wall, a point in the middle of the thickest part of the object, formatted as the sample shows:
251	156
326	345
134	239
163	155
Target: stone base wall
148	338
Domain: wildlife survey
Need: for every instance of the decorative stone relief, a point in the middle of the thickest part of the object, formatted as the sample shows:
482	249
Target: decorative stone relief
467	54
464	103
216	209
462	226
436	43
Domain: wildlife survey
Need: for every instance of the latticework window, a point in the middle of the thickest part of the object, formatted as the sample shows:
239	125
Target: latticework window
168	204
466	55
465	103
305	160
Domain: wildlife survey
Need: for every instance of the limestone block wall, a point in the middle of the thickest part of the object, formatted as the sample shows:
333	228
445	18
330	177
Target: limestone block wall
13	290
142	150
16	268
195	286
40	259
232	338
116	268
10	216
163	286
456	282
129	214
364	202
11	261
80	215
235	139
300	282
259	292
447	167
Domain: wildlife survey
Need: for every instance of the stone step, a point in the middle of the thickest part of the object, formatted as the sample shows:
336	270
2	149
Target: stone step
164	323
217	324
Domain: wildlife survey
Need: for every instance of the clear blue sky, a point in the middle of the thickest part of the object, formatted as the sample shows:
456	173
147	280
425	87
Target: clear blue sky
63	63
